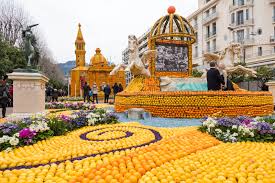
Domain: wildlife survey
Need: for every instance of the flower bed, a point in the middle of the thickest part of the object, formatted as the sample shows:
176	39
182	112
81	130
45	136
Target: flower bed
130	152
72	99
70	105
240	129
31	130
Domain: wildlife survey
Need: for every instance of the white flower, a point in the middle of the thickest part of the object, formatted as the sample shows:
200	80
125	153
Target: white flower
13	141
8	149
251	134
218	130
210	122
73	116
16	135
91	121
235	134
234	127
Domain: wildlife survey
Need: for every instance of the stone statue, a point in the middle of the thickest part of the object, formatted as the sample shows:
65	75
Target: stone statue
28	47
137	66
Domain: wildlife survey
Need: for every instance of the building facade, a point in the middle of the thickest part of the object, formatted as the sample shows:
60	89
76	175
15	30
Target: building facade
248	22
97	72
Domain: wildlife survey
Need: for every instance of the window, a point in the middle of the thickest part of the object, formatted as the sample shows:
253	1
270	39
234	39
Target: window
273	14
196	35
214	28
206	1
214	45
260	31
247	14
274	49
196	51
196	21
233	18
240	36
207	13
260	51
208	46
208	34
240	2
214	9
240	19
234	2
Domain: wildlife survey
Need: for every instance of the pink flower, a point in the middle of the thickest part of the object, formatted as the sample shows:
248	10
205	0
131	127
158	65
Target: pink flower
27	133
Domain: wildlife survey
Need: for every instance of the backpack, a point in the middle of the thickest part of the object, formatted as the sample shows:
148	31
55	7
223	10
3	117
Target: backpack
90	93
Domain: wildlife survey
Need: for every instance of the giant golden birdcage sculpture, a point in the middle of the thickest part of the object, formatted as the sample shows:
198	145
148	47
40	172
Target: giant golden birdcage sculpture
174	31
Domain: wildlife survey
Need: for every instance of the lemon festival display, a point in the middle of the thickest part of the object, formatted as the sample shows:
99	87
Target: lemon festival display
135	153
155	87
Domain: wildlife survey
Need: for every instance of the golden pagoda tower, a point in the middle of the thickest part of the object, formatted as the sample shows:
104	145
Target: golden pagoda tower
97	72
80	48
79	73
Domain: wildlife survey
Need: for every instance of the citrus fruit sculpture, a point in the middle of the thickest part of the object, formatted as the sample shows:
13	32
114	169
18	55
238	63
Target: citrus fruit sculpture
172	36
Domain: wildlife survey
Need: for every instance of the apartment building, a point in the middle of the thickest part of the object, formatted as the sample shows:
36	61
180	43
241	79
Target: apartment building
248	22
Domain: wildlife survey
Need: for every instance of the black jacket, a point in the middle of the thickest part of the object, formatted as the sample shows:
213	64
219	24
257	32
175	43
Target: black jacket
86	89
107	90
214	79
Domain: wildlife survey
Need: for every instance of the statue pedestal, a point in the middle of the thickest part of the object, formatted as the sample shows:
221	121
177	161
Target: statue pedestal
28	92
271	88
136	113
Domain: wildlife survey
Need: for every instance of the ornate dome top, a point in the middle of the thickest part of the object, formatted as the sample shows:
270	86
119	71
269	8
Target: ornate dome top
173	27
98	58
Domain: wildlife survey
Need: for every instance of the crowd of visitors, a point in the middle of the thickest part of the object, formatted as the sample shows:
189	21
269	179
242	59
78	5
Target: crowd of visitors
91	93
52	94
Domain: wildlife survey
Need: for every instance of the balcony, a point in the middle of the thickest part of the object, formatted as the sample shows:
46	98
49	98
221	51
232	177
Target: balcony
210	18
243	23
211	50
272	1
246	4
210	35
246	42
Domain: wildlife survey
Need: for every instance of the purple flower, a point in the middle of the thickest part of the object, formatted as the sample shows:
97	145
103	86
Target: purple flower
263	126
228	122
27	133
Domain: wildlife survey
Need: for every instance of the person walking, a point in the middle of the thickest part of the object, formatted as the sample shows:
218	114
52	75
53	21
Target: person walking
214	79
95	92
115	89
55	95
107	92
120	87
86	89
11	94
4	96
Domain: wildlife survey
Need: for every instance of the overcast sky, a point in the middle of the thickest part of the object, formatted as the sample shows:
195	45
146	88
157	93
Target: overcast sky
105	23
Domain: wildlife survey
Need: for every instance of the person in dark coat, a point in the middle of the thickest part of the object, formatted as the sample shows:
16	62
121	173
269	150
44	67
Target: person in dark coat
55	95
120	88
4	96
86	90
214	79
115	89
107	92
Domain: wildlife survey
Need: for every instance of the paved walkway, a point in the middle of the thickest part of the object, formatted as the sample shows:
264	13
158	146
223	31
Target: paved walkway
9	111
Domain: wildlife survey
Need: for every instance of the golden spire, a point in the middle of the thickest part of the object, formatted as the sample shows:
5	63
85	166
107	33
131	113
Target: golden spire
79	34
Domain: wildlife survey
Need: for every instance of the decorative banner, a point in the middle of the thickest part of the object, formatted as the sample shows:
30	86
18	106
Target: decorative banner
172	57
